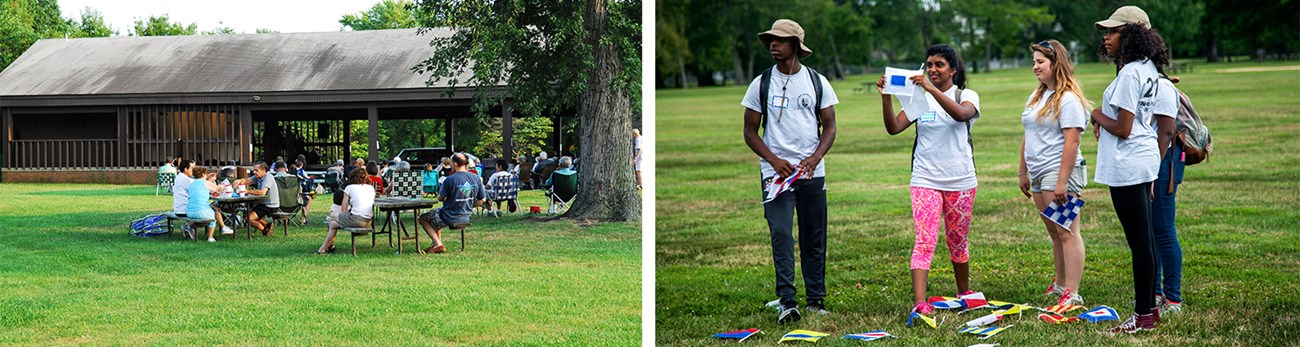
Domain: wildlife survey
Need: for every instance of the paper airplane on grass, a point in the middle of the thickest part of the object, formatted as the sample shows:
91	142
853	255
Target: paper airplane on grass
1056	319
985	320
739	335
1101	313
917	316
803	335
870	335
1061	309
985	333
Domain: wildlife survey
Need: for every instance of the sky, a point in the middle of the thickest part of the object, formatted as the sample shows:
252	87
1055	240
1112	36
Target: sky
245	16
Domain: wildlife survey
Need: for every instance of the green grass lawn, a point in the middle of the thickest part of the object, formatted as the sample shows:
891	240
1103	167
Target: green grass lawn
71	275
1237	221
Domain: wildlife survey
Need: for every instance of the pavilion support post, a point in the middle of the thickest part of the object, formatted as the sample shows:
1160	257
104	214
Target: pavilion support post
507	134
449	138
372	113
246	139
347	142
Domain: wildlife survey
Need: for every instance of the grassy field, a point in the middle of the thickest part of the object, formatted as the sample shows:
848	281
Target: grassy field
1237	221
71	275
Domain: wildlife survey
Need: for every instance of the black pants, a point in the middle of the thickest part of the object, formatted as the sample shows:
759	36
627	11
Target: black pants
1133	207
809	198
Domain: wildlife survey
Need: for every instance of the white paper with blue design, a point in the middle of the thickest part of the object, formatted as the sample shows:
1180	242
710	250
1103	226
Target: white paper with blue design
1064	215
898	82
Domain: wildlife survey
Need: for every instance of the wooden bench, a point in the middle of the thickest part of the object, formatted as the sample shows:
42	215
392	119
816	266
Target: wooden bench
197	224
171	216
359	232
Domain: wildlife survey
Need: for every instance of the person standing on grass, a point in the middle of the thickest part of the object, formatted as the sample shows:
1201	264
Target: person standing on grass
357	209
460	193
793	144
1051	163
943	166
1169	274
636	155
1127	152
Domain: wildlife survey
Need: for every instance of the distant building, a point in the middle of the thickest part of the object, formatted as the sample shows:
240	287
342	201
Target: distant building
111	109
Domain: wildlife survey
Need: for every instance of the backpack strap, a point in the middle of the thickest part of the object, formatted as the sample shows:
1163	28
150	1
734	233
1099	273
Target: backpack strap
763	85
766	83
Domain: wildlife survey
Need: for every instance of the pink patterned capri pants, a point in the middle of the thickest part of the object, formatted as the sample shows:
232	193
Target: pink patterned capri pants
927	207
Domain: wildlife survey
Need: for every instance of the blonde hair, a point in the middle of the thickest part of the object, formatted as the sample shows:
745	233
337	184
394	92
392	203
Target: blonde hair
1063	73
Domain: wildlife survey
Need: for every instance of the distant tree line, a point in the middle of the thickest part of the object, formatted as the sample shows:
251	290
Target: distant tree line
715	41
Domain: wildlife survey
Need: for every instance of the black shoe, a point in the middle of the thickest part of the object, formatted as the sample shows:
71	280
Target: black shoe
788	314
817	308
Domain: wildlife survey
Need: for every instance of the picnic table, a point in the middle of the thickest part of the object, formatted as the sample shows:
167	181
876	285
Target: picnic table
240	202
392	208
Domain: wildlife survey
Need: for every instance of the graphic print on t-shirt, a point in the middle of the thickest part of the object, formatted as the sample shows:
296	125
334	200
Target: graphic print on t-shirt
465	190
805	101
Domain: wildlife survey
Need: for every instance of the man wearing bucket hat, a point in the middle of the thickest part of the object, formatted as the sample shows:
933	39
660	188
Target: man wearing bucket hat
794	106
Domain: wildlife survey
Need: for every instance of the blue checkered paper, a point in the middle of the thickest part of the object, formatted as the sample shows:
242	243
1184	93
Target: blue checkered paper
1064	215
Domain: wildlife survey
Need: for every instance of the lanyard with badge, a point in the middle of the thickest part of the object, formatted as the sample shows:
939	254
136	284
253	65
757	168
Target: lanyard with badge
782	102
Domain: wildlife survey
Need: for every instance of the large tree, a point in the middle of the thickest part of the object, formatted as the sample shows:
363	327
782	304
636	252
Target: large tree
387	14
552	57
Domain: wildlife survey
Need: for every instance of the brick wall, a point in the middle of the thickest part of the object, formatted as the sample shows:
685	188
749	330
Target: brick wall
142	177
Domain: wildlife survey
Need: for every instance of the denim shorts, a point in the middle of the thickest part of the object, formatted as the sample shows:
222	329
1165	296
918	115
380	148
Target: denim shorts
1047	180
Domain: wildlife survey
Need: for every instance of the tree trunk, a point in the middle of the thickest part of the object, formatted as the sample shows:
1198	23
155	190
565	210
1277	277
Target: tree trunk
681	64
1212	54
741	76
988	45
606	187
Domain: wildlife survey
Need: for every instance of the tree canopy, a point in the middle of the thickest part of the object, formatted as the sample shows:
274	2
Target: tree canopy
549	58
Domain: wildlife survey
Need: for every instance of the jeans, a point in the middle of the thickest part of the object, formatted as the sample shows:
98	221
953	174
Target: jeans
809	198
1169	271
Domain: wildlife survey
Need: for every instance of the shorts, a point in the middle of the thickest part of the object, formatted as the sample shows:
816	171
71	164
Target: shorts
435	218
206	213
1048	180
348	220
264	211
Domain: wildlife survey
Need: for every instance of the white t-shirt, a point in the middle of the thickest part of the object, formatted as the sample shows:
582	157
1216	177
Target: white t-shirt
1125	162
943	158
362	199
791	132
181	193
496	176
1166	104
1045	141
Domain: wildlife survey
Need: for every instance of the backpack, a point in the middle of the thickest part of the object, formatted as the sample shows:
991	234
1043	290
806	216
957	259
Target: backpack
151	225
766	83
1192	133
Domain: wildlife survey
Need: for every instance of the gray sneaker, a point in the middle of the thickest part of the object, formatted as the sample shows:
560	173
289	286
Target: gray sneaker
788	314
818	309
1171	307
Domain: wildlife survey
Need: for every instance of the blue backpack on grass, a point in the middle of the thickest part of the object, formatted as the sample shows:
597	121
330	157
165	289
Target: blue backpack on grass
151	225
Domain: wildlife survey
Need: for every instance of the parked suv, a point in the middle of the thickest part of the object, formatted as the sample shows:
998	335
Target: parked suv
420	156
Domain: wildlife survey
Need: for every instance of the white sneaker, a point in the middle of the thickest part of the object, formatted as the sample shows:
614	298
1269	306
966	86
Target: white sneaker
774	304
212	239
225	230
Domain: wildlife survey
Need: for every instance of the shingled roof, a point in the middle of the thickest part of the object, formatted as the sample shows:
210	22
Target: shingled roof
325	61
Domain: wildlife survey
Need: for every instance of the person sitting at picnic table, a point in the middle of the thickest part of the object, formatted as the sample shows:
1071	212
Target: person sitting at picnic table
566	168
180	195
265	187
357	208
372	169
197	206
500	177
460	193
167	167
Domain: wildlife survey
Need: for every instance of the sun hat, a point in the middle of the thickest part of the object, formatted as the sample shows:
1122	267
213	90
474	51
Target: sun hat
1125	15
785	28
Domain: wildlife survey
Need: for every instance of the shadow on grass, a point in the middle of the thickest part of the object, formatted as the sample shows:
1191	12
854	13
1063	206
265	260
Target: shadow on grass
124	191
